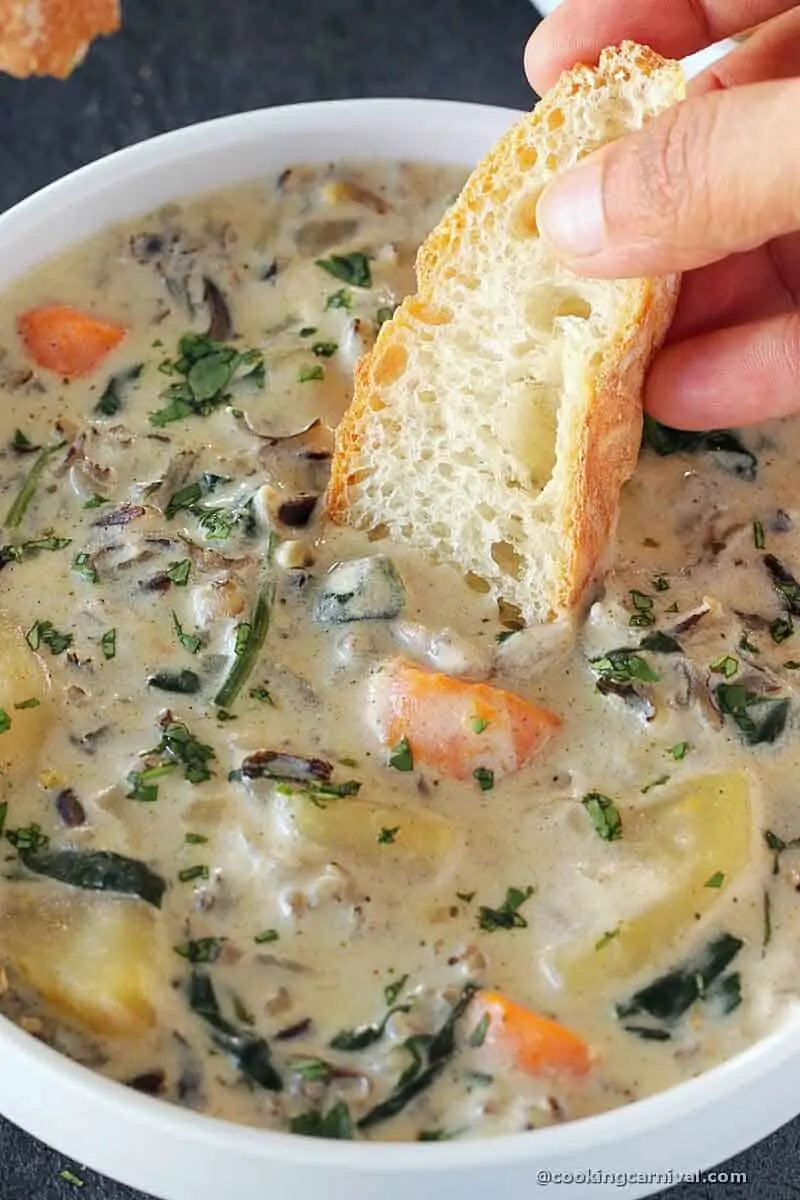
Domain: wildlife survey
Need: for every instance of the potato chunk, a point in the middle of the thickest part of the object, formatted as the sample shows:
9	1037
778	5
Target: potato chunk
366	828
701	835
22	679
94	960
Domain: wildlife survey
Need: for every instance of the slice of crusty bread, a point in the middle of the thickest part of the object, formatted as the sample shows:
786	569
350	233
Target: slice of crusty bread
50	37
499	412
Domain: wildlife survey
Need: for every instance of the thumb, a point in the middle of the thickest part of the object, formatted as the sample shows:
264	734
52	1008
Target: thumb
708	178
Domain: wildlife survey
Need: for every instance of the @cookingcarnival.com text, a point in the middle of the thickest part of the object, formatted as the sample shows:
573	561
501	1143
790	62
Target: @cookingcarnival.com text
623	1179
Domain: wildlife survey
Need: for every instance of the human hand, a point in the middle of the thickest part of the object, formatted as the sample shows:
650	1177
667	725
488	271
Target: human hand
711	188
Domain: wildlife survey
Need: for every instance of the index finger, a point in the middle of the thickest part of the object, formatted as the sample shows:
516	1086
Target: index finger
579	29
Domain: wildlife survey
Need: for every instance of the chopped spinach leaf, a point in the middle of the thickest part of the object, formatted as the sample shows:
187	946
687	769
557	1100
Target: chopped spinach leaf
781	628
82	565
401	757
726	993
727	447
28	838
384	314
96	501
507	916
430	1055
96	871
336	1123
310	374
679	750
249	1052
111	400
42	633
725	665
352	269
262	695
735	701
604	815
185	683
247	647
108	643
21	444
324	349
660	643
340	299
365	1035
673	994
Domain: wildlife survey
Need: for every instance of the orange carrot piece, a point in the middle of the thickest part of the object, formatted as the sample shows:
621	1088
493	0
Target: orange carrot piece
456	727
67	341
537	1043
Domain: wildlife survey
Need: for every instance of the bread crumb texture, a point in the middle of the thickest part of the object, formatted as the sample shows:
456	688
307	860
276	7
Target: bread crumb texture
499	413
51	37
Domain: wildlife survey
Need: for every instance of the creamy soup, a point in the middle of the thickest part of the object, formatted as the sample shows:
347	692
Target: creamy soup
301	830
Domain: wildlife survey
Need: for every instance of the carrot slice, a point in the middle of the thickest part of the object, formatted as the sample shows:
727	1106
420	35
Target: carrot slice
66	340
537	1043
455	727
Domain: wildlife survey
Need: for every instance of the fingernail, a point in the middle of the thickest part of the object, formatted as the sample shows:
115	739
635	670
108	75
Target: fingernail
570	211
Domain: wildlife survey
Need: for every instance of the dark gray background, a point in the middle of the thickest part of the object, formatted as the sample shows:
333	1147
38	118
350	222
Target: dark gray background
179	61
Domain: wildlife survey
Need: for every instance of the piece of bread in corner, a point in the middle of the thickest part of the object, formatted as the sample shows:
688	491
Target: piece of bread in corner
51	37
499	413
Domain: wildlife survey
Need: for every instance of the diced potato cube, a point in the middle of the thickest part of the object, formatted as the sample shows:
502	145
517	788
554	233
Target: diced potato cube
22	680
703	832
366	828
94	960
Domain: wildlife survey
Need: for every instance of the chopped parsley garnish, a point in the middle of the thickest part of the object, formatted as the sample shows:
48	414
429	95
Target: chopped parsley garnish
42	633
604	815
340	299
324	349
71	1178
336	1123
308	331
108	643
190	641
661	584
758	535
484	778
266	936
716	880
111	400
248	641
388	834
478	724
607	937
207	369
262	695
310	374
5	721
679	750
725	665
352	269
648	787
624	666
31	702
195	839
746	646
187	498
21	444
204	950
781	628
189	874
3	815
660	643
179	571
29	486
467	897
478	1035
28	838
507	916
185	682
181	746
384	314
504	635
22	550
784	583
767	936
777	845
142	783
400	756
643	604
82	565
393	990
96	501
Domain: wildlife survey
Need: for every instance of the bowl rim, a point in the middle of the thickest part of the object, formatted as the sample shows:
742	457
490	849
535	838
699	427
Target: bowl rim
639	1117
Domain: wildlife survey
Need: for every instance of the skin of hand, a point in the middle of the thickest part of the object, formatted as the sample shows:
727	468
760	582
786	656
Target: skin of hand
710	188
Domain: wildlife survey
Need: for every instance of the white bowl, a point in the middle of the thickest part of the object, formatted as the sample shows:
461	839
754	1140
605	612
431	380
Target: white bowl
177	1154
693	65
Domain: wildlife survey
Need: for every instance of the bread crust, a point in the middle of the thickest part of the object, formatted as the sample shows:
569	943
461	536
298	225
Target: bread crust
51	37
604	434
